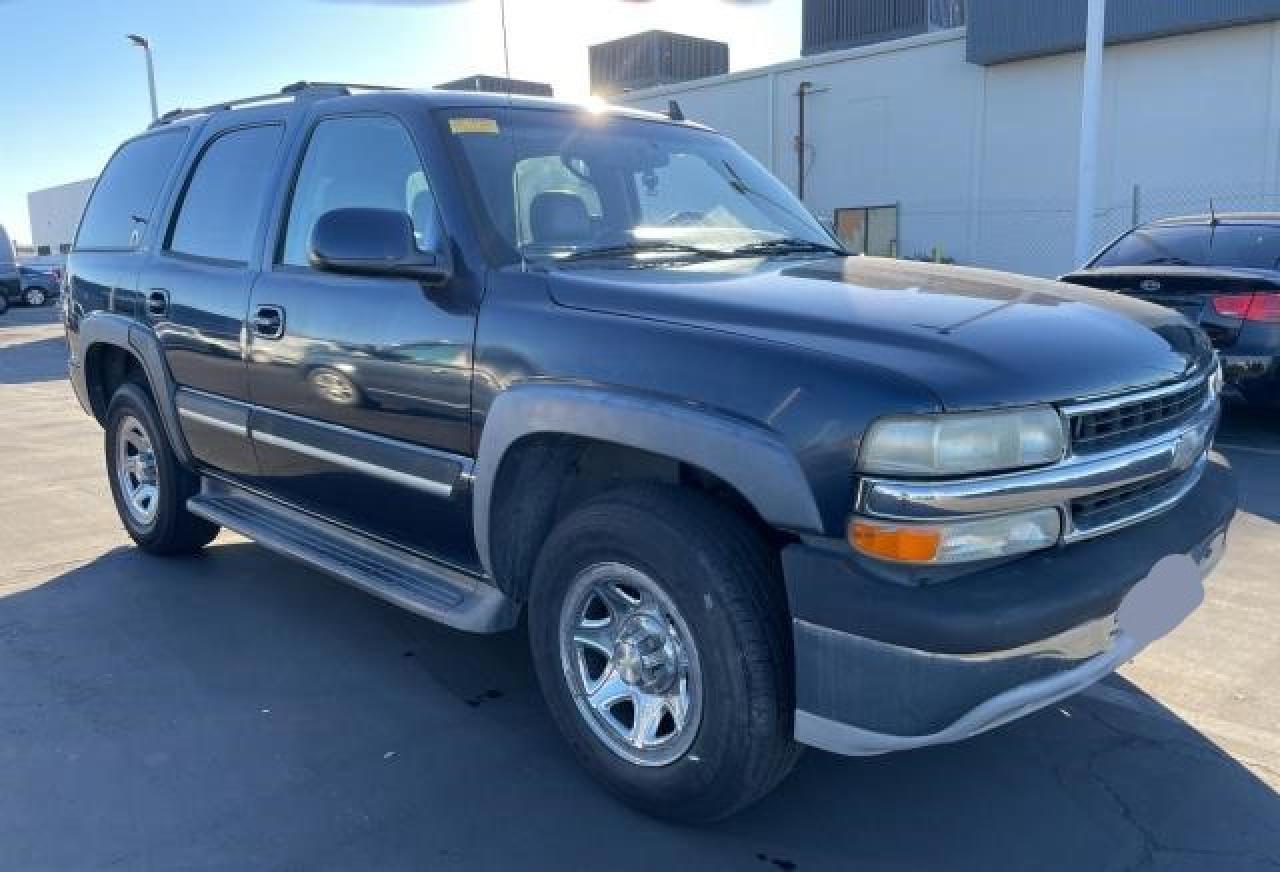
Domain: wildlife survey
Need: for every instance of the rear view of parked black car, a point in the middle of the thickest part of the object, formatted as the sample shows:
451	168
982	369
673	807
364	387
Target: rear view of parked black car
1222	272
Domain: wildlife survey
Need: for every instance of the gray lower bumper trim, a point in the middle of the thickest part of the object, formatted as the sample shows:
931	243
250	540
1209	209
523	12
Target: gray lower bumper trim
840	738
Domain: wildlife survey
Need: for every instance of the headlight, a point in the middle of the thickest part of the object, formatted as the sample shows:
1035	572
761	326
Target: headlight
942	445
956	541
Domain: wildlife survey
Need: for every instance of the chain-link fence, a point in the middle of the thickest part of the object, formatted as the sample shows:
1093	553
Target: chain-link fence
1037	235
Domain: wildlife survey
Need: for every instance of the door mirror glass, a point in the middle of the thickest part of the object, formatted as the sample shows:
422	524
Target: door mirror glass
372	242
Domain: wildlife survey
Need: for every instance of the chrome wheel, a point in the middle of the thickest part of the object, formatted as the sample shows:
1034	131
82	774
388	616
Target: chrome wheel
631	664
35	296
136	471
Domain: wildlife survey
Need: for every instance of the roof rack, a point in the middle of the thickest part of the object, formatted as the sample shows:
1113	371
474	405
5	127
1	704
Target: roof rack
296	91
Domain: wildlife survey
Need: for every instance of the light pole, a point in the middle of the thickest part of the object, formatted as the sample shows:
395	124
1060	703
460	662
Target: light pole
141	42
1091	105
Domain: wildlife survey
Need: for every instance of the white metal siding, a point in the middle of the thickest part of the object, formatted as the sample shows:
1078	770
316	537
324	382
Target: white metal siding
982	159
55	213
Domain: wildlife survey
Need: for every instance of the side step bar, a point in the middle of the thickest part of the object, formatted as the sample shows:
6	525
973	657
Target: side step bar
422	586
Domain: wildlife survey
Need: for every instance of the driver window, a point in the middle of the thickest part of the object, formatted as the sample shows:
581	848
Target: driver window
548	175
359	162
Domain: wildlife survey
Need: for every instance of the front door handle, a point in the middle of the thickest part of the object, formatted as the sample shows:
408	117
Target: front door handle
158	302
268	322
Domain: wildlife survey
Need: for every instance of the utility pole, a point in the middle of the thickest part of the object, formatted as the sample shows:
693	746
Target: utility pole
1091	104
803	91
142	43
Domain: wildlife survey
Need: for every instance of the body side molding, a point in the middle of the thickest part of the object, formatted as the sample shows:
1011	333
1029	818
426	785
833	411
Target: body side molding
749	458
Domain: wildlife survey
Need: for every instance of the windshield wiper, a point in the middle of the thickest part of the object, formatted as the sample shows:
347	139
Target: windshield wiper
787	245
628	248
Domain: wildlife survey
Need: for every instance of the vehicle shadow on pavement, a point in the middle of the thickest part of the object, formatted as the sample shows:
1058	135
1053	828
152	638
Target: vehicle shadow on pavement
39	360
1250	439
237	710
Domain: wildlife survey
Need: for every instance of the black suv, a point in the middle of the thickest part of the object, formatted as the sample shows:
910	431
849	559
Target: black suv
481	355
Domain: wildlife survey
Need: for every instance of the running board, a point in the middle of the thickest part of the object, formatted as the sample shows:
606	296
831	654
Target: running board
422	586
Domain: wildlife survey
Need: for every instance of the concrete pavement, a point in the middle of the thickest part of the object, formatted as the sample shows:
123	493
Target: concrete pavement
237	711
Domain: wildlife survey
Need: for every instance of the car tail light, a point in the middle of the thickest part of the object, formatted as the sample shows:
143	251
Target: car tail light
1262	306
1265	307
1232	305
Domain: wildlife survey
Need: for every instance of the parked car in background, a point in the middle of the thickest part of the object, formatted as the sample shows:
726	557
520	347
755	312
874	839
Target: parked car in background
10	286
37	287
1221	271
10	280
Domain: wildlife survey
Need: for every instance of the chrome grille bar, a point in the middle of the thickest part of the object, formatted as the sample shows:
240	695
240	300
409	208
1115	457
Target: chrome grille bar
1105	425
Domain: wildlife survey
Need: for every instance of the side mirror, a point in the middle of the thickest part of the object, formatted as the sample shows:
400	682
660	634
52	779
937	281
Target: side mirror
373	242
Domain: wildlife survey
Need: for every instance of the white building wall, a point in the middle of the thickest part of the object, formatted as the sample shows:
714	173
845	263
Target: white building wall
982	159
55	213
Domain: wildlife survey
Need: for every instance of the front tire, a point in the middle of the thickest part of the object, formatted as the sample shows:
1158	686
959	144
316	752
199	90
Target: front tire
661	641
150	487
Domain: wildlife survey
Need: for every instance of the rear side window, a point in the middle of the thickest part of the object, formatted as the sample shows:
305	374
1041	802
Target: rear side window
121	206
225	196
1251	246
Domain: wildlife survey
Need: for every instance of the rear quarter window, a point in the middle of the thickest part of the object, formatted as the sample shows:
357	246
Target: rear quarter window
126	193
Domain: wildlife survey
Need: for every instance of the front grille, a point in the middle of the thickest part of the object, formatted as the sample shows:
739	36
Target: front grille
1105	508
1127	422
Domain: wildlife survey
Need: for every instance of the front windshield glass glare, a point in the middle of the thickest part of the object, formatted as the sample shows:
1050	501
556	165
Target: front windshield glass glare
557	184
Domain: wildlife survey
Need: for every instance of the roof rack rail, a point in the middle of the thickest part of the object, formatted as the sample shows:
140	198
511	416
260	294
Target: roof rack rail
295	91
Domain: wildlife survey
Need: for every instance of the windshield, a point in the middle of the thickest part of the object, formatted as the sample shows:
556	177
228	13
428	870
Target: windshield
559	184
1252	246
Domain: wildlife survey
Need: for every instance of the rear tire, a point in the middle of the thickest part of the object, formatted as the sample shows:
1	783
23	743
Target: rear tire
35	296
4	301
149	485
660	576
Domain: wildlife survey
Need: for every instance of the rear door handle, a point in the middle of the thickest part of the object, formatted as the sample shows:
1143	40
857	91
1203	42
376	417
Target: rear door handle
268	322
158	302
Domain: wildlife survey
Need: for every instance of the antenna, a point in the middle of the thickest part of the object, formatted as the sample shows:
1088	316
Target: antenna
674	112
506	54
1213	215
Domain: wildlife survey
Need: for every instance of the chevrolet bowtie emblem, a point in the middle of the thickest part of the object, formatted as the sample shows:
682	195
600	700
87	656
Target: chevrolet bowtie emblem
1186	450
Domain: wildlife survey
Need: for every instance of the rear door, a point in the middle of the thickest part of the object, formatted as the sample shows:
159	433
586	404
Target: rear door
362	385
195	290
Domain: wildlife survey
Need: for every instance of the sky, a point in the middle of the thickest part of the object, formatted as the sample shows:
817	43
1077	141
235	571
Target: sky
74	87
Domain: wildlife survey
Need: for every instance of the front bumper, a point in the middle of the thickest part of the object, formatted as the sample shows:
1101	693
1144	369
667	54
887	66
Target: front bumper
1252	378
884	667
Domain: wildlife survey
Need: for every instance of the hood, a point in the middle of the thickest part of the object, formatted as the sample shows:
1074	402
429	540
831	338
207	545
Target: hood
975	338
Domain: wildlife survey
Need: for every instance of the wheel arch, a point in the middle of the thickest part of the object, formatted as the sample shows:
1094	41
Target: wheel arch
535	437
116	347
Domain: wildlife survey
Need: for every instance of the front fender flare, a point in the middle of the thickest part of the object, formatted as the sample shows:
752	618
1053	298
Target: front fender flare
748	457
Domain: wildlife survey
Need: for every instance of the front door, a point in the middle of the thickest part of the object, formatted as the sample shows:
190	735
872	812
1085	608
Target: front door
361	386
195	290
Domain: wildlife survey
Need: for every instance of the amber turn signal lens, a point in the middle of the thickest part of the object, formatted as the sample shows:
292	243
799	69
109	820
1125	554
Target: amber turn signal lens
913	544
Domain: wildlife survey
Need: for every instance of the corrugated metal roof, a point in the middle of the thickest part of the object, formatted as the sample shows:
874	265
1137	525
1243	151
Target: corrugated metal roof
498	85
652	58
835	24
1007	30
